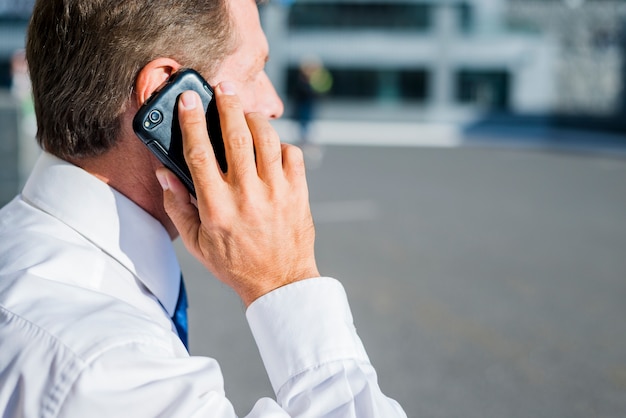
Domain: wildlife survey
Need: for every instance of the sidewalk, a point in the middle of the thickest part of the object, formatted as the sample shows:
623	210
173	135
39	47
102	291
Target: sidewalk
451	135
370	133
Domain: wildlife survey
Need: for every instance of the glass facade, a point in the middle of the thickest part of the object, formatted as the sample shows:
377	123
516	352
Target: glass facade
371	15
409	85
487	89
387	16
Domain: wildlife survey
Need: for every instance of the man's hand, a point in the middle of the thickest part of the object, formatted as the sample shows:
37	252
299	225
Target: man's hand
252	227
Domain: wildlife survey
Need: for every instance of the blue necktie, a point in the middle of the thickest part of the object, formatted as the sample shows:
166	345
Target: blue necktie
180	315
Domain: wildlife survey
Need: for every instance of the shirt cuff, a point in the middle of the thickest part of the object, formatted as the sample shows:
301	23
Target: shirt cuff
302	326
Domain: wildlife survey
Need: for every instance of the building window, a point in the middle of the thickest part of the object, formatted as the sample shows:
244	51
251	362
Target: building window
466	16
382	85
5	74
488	89
414	85
387	16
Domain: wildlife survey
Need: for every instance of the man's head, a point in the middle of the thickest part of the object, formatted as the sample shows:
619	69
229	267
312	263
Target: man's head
84	57
93	63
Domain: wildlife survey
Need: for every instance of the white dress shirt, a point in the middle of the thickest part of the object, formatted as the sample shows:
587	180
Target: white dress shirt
88	283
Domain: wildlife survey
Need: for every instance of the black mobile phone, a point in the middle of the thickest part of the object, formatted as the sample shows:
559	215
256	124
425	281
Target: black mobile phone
156	123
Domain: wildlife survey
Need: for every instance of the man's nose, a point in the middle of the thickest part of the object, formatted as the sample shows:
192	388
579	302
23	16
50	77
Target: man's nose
272	106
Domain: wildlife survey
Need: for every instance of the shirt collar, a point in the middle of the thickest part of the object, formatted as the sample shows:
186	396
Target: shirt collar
110	221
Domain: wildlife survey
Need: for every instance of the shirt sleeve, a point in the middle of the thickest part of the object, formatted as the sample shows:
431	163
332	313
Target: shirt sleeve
314	358
315	361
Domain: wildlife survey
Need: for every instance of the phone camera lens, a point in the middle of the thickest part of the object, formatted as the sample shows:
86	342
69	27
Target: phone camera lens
155	117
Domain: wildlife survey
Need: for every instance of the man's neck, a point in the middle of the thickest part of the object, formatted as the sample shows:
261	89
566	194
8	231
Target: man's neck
129	168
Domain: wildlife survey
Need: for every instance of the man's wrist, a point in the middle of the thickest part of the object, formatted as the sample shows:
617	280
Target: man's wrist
249	295
302	325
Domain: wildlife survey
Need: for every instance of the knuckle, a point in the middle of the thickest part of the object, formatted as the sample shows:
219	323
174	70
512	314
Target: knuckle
293	154
197	155
238	139
274	158
294	159
265	136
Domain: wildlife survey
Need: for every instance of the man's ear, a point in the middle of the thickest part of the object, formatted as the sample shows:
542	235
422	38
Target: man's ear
152	76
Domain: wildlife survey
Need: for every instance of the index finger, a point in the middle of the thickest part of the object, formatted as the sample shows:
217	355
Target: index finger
197	147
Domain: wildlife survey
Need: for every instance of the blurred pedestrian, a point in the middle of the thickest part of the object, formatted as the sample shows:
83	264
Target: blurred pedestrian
313	81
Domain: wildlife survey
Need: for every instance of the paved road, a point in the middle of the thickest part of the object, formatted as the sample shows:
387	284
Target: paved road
484	283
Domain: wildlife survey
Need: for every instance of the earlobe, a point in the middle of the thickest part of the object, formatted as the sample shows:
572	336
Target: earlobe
152	76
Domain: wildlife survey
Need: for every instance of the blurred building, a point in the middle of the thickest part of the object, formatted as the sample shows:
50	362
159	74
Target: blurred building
17	145
14	16
450	58
441	57
434	56
589	64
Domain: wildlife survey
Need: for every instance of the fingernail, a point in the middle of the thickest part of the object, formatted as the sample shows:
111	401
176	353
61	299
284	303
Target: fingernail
162	178
189	100
227	88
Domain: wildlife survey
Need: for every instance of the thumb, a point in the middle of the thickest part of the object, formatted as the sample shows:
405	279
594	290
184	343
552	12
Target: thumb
179	207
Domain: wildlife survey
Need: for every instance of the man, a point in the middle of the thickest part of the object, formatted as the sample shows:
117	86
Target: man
90	288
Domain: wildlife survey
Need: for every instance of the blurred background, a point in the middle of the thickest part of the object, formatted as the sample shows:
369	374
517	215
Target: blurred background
467	170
